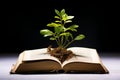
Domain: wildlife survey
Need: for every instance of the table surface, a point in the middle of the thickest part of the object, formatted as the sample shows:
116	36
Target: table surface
110	60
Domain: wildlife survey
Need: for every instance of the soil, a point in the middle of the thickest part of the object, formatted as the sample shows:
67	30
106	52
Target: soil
61	53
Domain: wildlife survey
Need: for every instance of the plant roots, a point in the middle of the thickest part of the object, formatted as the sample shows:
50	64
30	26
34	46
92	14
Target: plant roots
61	53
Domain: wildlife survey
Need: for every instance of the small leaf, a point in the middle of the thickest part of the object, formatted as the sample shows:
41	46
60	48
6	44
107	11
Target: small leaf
67	35
58	21
52	38
58	30
62	11
46	32
70	17
57	12
64	17
68	21
63	34
53	25
79	37
57	17
72	28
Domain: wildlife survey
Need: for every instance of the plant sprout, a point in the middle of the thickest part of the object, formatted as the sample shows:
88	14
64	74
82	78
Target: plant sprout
62	33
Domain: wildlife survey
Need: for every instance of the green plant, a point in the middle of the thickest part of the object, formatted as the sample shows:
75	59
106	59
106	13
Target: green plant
62	34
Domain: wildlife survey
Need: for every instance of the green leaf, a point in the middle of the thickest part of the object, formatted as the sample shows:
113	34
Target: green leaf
79	37
68	21
72	28
58	30
57	12
70	17
52	38
62	11
63	34
64	17
46	32
58	21
57	17
53	25
66	34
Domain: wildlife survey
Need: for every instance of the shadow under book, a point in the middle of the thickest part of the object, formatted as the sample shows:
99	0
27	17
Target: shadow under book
38	61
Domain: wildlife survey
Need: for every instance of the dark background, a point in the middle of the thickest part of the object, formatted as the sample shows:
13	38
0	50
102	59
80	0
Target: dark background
22	21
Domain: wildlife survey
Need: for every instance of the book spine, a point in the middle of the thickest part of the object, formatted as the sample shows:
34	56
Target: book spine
61	71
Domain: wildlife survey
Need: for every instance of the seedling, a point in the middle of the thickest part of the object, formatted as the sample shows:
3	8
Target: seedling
61	34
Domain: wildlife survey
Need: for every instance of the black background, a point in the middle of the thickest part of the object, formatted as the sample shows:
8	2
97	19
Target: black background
22	21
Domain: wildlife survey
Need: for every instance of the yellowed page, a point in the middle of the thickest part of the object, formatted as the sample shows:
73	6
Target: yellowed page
38	54
34	55
19	61
87	55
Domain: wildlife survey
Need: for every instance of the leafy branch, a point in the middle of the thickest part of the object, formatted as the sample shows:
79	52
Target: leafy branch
62	34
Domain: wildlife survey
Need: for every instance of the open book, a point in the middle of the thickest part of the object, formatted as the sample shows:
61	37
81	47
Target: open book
39	61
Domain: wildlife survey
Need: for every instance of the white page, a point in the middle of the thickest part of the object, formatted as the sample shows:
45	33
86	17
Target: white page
85	55
38	54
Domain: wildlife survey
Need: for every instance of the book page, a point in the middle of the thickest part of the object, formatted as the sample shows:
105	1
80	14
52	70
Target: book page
86	55
19	61
38	54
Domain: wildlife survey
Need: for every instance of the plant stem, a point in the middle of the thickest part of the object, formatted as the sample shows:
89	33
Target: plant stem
62	40
59	41
68	44
64	43
56	39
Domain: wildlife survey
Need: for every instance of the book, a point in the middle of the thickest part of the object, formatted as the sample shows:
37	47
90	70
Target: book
39	61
